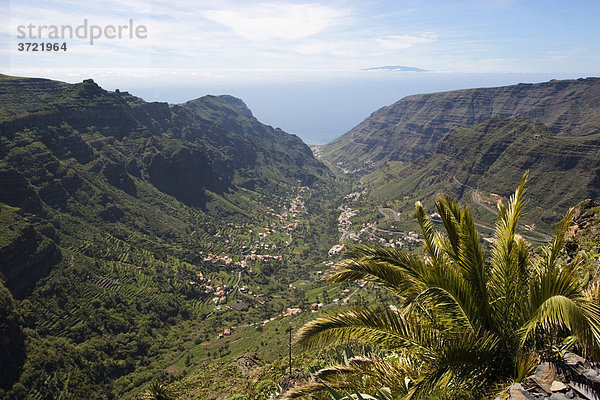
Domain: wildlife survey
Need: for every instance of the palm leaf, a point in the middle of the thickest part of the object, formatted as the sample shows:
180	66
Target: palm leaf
381	326
396	270
508	272
451	216
461	363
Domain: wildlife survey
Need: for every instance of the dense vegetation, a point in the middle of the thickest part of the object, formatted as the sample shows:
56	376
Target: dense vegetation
480	164
159	250
121	222
463	325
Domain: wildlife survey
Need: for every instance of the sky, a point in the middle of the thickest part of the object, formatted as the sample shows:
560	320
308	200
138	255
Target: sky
176	50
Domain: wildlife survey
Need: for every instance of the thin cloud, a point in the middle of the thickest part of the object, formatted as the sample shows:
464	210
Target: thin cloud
277	21
338	35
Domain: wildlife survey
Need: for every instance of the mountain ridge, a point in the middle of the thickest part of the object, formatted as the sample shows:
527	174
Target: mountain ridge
412	126
130	228
117	215
488	158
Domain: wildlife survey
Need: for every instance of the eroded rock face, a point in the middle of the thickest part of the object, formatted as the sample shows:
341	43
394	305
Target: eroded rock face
586	224
573	378
17	191
411	127
12	340
27	257
492	157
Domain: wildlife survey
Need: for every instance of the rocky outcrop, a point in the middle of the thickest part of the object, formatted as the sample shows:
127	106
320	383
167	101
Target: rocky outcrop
12	340
411	127
26	258
186	174
116	174
16	191
584	233
572	377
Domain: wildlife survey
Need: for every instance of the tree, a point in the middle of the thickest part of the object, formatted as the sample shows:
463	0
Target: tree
159	391
463	323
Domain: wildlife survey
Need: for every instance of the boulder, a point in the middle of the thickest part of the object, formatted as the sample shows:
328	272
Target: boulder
518	392
558	386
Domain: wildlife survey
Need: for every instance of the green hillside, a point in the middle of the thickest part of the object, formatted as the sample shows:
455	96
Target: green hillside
142	242
125	224
480	165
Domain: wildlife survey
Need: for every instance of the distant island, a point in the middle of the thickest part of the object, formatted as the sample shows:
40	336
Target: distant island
400	68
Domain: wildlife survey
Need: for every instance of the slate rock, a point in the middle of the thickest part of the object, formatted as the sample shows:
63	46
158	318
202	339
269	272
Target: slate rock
558	386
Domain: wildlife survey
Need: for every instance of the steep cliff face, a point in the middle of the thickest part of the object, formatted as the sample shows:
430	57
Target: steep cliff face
492	157
252	145
98	156
12	340
584	233
27	251
411	127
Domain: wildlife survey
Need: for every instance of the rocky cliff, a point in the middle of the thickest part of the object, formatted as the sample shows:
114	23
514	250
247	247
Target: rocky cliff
491	157
411	127
81	152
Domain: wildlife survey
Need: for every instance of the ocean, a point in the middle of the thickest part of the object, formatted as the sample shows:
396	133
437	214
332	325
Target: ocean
320	107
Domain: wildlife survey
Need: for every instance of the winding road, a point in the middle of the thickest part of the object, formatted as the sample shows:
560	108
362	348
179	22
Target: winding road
477	201
386	216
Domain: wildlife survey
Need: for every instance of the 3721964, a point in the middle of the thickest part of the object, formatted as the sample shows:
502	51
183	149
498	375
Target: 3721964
47	46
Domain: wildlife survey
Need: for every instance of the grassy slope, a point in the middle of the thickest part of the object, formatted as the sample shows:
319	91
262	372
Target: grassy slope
492	157
126	295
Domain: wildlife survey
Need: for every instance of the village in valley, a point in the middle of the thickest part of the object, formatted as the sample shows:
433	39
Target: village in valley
233	289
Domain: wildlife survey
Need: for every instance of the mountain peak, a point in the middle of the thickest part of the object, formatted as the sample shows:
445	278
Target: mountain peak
412	126
399	68
237	103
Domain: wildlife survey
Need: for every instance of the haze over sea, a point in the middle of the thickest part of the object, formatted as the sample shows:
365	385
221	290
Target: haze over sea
320	107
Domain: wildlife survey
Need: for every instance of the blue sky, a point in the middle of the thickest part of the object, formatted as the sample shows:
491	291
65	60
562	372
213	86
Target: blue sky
299	64
283	39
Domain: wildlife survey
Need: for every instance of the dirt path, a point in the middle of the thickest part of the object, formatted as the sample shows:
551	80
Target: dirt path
478	201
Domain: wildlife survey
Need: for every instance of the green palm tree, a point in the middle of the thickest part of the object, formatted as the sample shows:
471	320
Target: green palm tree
157	390
464	323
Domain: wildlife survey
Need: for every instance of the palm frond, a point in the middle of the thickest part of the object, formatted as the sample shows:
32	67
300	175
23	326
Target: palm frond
557	299
382	326
525	363
461	363
431	247
558	241
372	374
396	270
471	265
309	389
508	273
451	216
157	390
456	285
553	311
380	372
